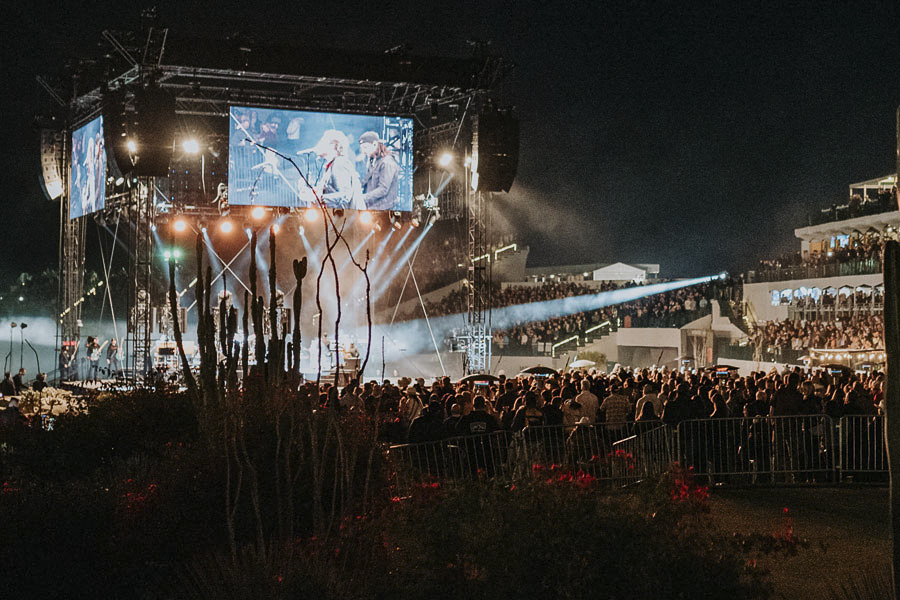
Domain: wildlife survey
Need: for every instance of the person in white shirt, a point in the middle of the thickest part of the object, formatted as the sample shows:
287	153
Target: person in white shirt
588	401
649	396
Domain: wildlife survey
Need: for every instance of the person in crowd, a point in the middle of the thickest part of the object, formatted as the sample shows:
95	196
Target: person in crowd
429	425
7	386
650	397
528	415
451	424
588	401
647	419
40	382
19	381
11	416
615	409
478	421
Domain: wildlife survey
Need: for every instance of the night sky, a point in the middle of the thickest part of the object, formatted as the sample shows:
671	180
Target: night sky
697	137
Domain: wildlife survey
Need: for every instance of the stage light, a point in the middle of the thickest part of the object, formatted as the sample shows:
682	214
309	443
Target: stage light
398	225
258	212
191	146
226	226
276	228
167	255
445	159
249	232
176	253
131	145
179	225
301	230
415	222
153	227
120	180
365	217
203	227
339	212
311	215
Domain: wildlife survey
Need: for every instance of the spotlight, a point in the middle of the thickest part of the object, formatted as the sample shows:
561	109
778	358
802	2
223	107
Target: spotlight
311	215
301	230
226	226
191	146
276	227
365	217
153	227
415	221
445	159
258	213
249	232
339	212
203	227
131	145
176	253
179	225
167	255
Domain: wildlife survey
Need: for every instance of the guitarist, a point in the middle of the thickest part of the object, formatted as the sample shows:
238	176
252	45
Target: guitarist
112	359
94	348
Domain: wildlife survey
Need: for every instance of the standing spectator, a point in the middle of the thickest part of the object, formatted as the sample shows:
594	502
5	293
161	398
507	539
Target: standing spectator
650	397
588	401
7	387
616	408
19	381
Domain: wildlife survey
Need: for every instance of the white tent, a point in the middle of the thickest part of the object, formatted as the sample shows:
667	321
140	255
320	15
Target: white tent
620	272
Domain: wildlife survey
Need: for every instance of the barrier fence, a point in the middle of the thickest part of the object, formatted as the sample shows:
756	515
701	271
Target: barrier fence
739	451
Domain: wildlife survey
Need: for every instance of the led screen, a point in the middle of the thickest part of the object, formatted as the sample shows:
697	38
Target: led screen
88	172
289	157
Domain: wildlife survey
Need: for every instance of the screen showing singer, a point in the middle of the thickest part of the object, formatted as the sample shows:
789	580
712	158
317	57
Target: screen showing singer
298	158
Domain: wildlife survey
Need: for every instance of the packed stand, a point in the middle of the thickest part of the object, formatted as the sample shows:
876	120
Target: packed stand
861	332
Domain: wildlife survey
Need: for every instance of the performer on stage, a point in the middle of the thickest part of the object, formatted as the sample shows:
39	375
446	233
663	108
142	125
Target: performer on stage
340	186
112	359
382	173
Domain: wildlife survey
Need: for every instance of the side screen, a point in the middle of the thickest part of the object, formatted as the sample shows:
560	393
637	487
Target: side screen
289	158
87	176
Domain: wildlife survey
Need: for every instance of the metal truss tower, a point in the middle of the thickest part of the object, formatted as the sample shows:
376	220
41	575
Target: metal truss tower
478	329
71	263
139	274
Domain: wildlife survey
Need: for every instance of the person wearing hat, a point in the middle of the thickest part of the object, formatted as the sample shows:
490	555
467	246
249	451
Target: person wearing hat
380	183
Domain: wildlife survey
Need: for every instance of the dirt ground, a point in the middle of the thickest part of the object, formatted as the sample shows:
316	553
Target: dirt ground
848	530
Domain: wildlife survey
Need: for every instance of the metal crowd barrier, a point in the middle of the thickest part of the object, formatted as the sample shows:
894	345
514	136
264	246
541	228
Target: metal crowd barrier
736	451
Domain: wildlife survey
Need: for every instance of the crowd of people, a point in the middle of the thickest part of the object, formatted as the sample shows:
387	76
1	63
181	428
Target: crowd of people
858	255
861	332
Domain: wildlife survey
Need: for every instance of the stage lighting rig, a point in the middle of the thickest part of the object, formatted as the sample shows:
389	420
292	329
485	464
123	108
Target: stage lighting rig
226	226
191	146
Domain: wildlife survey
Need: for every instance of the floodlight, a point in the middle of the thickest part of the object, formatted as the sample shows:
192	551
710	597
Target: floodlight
258	212
445	159
191	146
179	225
131	145
311	215
365	217
301	230
226	226
276	227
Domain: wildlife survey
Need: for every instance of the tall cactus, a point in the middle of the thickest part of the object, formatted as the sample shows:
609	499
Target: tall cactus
299	274
892	393
176	330
276	357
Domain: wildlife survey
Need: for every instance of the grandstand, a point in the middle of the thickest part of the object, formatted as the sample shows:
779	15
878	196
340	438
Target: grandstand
829	295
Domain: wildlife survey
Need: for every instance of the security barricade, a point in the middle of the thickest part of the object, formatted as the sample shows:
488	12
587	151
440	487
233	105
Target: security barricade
740	451
863	455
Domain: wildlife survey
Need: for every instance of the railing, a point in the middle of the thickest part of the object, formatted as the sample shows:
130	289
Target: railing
811	449
866	266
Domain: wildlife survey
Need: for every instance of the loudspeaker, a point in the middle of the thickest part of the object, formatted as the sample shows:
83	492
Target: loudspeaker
155	127
496	142
51	154
150	126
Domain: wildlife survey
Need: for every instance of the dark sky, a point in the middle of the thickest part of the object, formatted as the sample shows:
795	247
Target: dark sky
695	136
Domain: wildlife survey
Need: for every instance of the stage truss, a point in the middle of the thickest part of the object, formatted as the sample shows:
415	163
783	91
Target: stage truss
444	114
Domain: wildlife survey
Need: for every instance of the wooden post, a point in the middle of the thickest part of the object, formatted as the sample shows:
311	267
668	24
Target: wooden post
892	394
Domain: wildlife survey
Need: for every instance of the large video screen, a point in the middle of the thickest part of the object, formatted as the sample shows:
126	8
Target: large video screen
289	158
88	173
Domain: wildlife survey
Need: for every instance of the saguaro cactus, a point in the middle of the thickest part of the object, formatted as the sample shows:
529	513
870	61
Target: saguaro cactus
892	392
299	274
